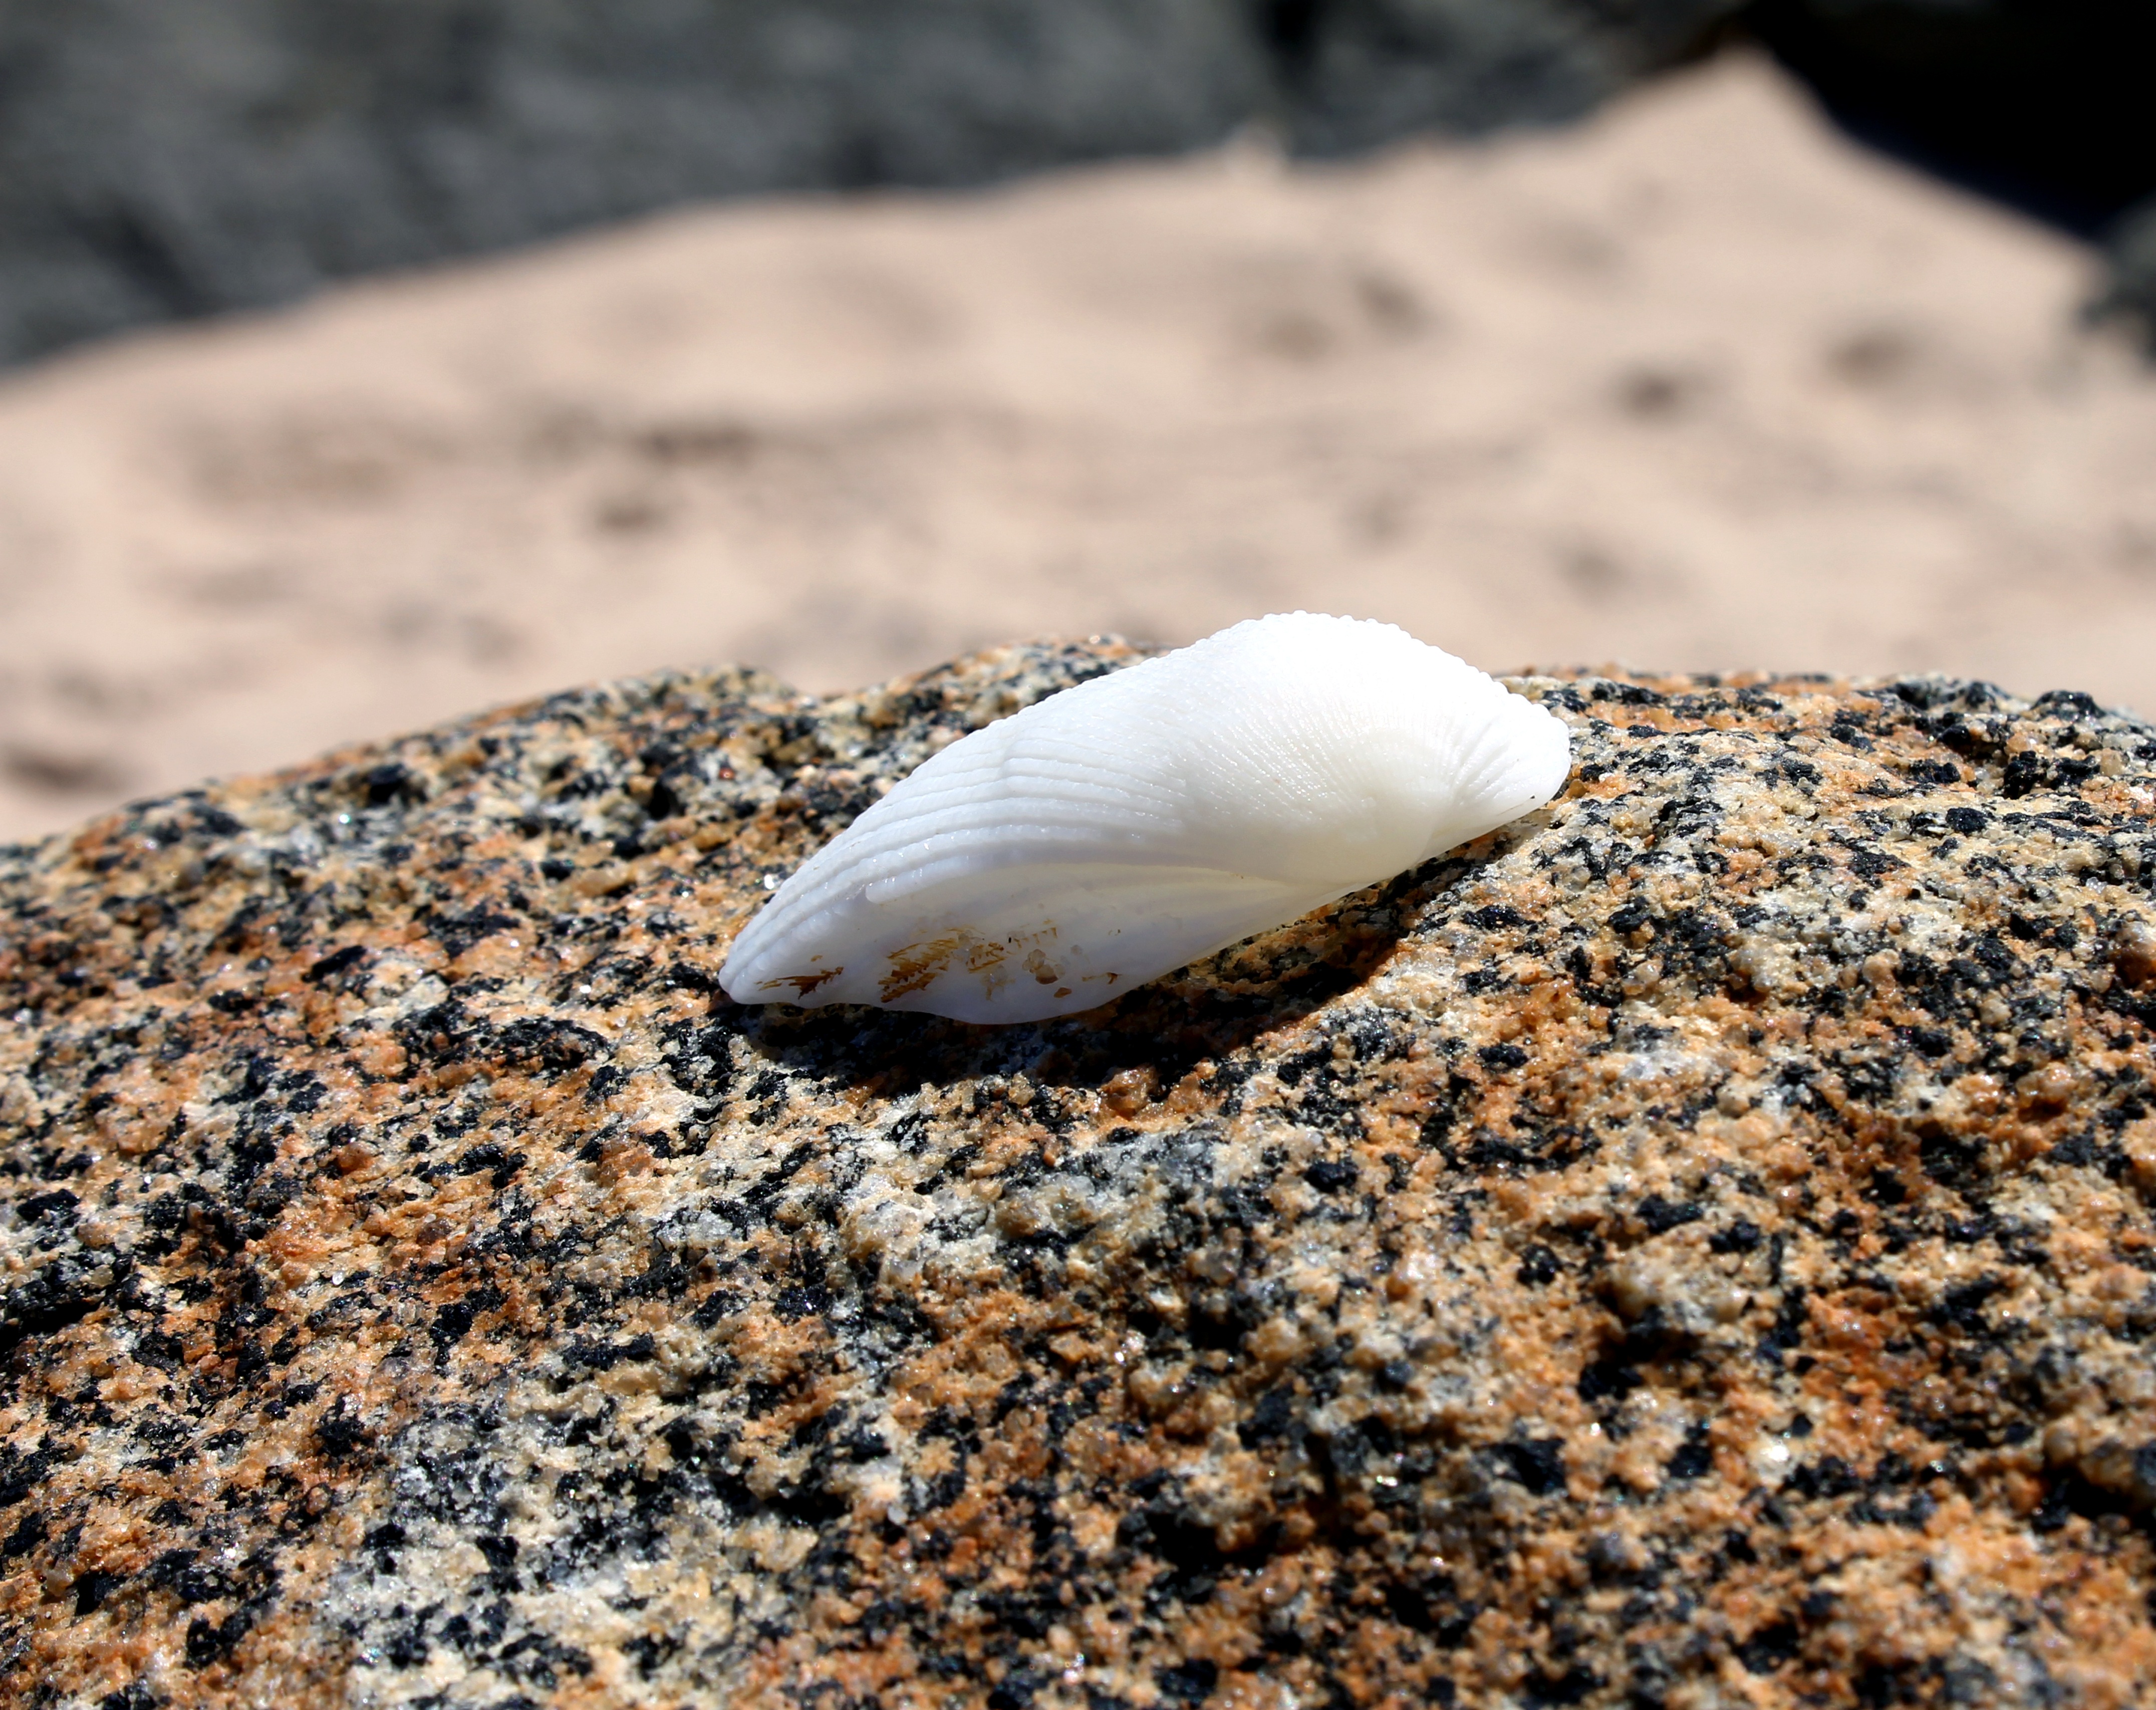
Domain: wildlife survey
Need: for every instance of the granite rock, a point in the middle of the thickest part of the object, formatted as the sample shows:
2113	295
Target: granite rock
1692	1247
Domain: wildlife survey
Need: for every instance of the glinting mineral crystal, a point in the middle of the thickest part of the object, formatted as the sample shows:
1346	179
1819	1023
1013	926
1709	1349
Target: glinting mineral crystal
1693	1247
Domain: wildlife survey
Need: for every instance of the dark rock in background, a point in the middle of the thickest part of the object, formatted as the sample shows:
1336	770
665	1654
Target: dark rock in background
197	156
2042	103
2130	247
177	160
1358	73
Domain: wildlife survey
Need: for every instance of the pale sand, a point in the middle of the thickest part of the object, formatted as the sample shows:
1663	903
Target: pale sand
1698	385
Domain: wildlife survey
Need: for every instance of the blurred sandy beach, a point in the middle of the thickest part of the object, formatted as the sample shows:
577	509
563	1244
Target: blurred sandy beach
1698	384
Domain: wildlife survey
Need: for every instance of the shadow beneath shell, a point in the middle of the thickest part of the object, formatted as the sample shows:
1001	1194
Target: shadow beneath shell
1205	1012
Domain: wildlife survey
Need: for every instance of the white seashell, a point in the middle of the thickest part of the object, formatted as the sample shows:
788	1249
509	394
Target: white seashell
1114	832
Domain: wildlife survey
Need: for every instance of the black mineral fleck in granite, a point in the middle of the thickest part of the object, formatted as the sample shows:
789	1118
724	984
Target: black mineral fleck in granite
1691	1248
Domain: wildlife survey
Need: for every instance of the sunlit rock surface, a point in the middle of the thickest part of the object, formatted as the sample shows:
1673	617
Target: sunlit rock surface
1694	1247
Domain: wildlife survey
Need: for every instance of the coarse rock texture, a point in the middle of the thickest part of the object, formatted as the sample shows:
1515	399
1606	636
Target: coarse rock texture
1692	1247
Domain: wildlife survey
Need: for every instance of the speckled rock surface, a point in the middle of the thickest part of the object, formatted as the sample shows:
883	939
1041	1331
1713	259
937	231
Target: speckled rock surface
1694	1248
